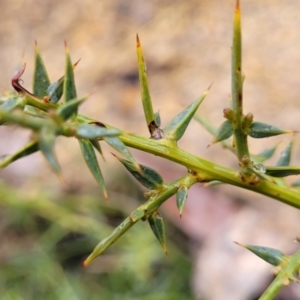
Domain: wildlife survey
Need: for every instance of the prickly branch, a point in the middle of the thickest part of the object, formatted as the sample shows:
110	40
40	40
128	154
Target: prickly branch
51	110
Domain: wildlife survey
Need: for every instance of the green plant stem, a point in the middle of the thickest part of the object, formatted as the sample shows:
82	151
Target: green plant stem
283	278
28	149
143	212
168	151
237	88
38	103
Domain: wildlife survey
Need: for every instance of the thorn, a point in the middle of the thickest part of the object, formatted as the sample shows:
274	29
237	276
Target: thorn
77	62
66	46
209	87
105	196
237	7
115	155
84	264
35	44
138	44
239	244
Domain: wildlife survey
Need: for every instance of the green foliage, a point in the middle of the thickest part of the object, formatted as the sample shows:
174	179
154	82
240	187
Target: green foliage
51	110
49	236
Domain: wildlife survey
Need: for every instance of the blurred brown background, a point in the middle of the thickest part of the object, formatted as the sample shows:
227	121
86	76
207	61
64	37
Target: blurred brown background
187	46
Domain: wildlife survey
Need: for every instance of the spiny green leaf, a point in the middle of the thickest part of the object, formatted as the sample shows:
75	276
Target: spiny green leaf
148	177
41	80
146	98
270	255
11	104
157	119
90	158
55	90
282	171
28	149
181	197
260	130
46	144
97	146
285	156
224	132
117	144
66	110
266	154
69	81
156	223
212	130
90	131
105	243
177	126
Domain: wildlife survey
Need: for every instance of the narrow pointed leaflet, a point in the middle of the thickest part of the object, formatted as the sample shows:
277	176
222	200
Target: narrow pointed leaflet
264	155
69	81
181	198
97	146
282	168
285	156
66	110
46	144
28	149
118	145
148	177
91	131
55	90
157	225
224	132
11	104
145	94
260	130
41	80
90	158
177	126
270	255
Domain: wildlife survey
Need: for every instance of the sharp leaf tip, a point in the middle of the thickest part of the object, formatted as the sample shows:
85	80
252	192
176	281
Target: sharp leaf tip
138	43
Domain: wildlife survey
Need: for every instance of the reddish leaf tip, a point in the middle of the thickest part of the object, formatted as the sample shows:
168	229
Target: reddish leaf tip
239	244
138	44
209	87
66	46
237	7
84	264
117	157
77	62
